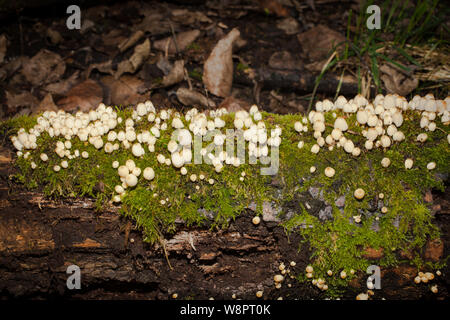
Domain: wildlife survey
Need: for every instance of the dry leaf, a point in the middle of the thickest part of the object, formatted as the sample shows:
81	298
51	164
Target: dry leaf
46	104
187	17
274	7
131	41
233	104
218	68
155	23
396	81
283	60
318	42
289	25
141	53
113	39
175	75
193	98
12	66
86	26
23	99
124	91
164	64
3	47
63	86
103	67
184	39
44	67
84	97
54	36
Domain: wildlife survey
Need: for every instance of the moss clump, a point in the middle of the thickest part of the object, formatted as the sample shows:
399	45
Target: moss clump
338	243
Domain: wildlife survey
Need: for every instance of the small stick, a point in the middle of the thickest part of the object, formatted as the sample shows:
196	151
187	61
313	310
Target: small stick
174	37
188	79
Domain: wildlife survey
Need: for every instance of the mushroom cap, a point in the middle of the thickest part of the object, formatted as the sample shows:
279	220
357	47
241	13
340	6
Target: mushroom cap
359	193
340	124
409	163
131	180
177	160
148	173
385	162
329	172
349	146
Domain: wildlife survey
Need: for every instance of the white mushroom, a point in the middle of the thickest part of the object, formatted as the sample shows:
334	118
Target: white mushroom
409	163
329	172
340	124
431	165
148	173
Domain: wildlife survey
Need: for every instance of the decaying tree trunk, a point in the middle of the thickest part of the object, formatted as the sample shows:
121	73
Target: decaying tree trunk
40	238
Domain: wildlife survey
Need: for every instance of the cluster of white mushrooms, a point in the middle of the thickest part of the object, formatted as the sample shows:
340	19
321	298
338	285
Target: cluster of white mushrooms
98	128
380	122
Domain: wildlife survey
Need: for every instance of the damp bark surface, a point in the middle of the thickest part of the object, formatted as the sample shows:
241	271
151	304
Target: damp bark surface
41	237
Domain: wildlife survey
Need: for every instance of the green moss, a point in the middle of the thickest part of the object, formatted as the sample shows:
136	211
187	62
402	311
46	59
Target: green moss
337	244
196	74
241	66
194	46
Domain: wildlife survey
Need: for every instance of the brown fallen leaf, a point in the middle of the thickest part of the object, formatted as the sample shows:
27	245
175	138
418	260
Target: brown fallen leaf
164	64
283	60
193	98
45	67
318	42
274	7
187	17
47	104
141	53
218	68
84	97
12	66
54	36
131	41
113	39
233	104
20	100
184	39
86	25
124	91
155	23
63	86
3	47
396	81
103	67
175	75
289	25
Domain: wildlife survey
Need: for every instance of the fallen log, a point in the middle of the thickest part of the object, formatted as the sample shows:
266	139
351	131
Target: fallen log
40	238
300	81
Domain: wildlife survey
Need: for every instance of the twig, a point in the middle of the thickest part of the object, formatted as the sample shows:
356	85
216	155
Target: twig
188	79
279	99
165	251
174	37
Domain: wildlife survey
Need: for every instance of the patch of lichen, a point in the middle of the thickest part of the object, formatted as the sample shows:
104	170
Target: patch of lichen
336	244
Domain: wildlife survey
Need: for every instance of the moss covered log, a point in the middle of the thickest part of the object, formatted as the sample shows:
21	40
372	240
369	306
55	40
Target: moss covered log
391	217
